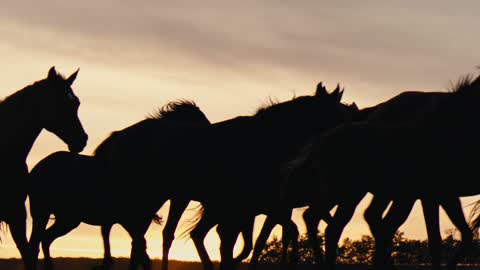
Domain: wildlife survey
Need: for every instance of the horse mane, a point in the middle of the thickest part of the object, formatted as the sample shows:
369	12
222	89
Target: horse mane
19	95
172	110
465	84
270	104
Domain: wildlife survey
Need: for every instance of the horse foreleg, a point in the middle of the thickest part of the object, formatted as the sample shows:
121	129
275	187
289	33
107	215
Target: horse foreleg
228	236
312	217
289	235
39	225
16	219
177	207
453	208
432	221
395	217
138	254
59	228
107	261
261	240
334	230
247	235
374	213
198	235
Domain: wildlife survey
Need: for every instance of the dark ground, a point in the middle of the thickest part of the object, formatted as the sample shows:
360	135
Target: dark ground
122	264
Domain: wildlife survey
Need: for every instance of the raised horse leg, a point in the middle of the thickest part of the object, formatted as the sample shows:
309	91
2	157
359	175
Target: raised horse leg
16	218
432	221
61	227
453	208
177	207
334	230
395	217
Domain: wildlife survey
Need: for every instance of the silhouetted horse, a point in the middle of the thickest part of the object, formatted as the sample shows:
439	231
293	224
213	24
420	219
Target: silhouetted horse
183	111
437	146
215	211
60	182
51	104
219	162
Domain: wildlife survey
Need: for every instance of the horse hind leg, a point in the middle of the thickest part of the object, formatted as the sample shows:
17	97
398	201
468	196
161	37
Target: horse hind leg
177	207
453	208
61	227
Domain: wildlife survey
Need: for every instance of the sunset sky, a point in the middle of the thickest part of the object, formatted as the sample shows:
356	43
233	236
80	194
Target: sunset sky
229	57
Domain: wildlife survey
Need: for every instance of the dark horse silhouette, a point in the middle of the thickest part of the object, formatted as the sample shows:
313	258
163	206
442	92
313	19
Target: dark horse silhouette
51	104
183	111
60	182
218	162
232	222
419	156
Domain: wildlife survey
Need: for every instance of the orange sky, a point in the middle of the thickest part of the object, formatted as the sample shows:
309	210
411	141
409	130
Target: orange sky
229	58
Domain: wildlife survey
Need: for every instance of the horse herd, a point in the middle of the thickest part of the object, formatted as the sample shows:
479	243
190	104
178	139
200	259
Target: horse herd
309	151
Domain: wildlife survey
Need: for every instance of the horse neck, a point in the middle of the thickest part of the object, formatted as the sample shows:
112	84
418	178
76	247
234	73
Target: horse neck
20	126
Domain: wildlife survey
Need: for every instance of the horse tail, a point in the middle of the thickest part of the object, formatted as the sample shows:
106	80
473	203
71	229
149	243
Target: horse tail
191	223
475	218
3	229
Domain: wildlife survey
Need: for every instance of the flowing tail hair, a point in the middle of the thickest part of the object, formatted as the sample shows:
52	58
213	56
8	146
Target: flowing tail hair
157	219
475	219
191	223
3	229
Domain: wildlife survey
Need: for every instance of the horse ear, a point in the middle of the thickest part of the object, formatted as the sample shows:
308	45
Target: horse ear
340	95
72	77
354	106
52	73
321	90
337	94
